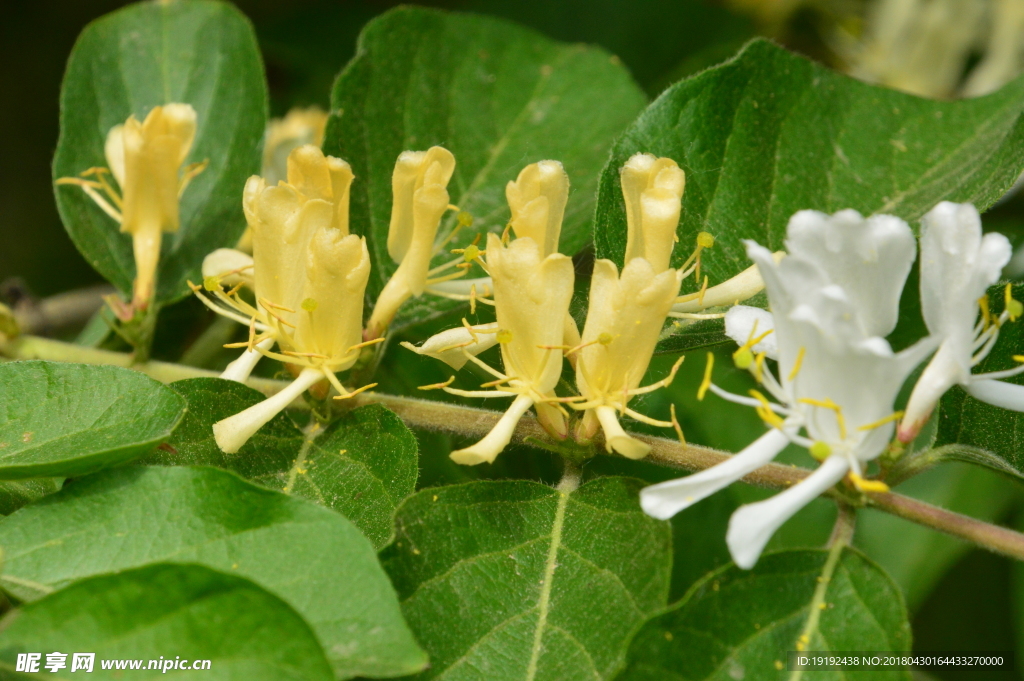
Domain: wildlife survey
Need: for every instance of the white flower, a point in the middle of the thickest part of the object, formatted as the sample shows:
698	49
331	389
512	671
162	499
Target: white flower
309	276
958	265
145	158
833	299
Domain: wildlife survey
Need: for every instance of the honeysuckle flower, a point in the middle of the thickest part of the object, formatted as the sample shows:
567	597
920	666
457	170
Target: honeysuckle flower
627	312
309	277
958	265
283	135
146	160
532	287
833	300
420	198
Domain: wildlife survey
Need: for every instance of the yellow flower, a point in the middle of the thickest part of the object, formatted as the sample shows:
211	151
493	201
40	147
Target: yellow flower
297	128
532	287
627	313
420	198
145	158
309	276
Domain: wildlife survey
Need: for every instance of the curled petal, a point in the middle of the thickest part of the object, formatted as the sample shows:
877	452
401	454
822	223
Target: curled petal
744	285
501	434
666	499
752	525
618	439
233	267
233	432
997	393
451	346
742	323
240	368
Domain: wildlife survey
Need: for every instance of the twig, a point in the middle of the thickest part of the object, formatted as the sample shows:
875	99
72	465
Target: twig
444	416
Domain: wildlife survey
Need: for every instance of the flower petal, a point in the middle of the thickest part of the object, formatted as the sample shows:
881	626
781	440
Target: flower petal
743	321
997	393
487	449
666	499
752	525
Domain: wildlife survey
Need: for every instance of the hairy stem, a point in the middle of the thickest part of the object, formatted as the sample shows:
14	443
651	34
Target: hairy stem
443	416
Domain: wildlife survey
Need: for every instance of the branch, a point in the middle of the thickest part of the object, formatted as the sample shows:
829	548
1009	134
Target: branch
55	312
473	422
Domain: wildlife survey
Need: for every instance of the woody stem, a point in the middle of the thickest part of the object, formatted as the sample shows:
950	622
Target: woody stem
470	421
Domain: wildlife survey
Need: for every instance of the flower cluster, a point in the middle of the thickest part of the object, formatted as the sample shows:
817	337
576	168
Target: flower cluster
532	287
833	299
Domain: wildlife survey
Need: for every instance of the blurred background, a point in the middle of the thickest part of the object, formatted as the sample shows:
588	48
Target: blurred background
963	599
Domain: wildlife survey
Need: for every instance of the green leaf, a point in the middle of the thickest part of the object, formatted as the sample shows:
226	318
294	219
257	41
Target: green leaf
497	95
264	458
736	624
61	419
515	580
977	428
684	337
16	493
164	612
309	556
197	52
362	466
770	133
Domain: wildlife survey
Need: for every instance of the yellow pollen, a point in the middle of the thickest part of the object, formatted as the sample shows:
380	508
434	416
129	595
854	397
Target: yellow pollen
1018	358
863	485
765	410
895	416
705	240
759	366
211	283
983	304
605	339
797	364
706	383
471	253
465	218
504	336
309	305
1013	307
820	450
743	358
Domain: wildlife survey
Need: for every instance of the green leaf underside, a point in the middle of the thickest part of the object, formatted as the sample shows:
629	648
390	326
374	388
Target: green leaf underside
362	466
770	133
739	624
311	557
685	337
201	53
510	580
264	458
494	93
59	419
16	493
973	424
169	610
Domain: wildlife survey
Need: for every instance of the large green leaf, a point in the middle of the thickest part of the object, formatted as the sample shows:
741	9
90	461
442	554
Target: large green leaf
770	133
61	419
516	580
497	95
966	421
264	458
179	613
737	624
309	556
16	493
363	466
198	52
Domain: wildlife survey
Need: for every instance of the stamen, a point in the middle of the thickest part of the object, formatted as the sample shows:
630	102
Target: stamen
364	344
895	416
985	315
764	410
864	485
643	418
267	304
797	364
191	170
1014	307
759	366
355	392
497	382
437	386
675	423
706	383
829	404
